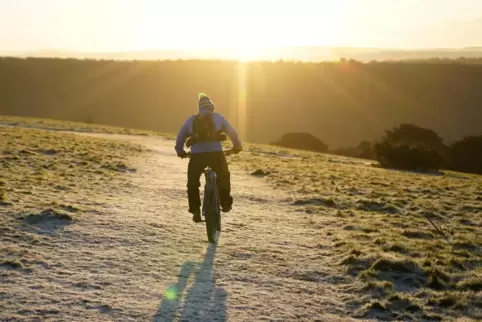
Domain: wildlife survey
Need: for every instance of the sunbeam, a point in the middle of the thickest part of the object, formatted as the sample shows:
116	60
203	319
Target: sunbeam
241	102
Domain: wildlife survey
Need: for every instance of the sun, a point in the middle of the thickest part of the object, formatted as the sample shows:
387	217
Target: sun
246	33
250	46
247	53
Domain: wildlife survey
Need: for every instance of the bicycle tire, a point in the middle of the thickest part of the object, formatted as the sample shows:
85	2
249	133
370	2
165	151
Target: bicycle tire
209	209
217	209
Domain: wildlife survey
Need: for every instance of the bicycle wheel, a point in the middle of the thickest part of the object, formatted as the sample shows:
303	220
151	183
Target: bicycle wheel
209	210
217	209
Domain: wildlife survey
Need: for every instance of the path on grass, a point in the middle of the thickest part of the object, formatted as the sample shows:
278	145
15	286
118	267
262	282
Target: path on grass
143	259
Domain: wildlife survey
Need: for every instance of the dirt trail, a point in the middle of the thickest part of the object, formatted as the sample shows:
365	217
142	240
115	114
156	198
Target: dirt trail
143	259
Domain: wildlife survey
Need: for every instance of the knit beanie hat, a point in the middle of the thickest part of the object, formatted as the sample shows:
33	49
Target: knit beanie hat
205	102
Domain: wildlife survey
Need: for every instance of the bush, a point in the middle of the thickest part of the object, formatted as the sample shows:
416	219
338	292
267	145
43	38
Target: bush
413	135
466	155
406	157
302	141
409	147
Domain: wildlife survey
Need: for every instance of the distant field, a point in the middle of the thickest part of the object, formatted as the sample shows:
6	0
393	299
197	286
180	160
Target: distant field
71	126
397	261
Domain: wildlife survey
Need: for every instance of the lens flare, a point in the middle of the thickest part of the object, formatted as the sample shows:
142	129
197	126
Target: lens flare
171	294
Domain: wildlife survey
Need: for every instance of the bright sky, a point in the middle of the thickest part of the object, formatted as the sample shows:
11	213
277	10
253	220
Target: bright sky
124	25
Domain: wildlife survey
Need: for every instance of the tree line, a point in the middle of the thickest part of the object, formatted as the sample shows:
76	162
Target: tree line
340	102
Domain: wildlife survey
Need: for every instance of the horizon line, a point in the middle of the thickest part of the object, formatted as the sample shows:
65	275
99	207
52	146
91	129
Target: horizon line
271	48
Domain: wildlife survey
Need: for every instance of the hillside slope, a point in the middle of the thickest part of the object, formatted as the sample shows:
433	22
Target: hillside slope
341	103
336	240
127	248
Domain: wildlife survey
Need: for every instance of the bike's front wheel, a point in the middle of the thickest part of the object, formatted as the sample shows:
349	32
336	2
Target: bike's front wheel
212	218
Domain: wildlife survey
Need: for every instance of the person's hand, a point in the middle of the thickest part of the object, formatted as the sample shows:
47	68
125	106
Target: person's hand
182	154
236	150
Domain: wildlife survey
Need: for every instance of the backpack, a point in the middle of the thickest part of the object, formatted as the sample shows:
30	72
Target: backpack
203	128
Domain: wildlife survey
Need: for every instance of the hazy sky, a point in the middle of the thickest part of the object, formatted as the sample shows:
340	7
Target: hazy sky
122	25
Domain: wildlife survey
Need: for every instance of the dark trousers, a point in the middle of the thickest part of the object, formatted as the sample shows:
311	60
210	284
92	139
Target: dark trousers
197	163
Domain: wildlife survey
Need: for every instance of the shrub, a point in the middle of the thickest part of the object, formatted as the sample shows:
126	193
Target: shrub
302	141
406	157
466	155
410	134
409	147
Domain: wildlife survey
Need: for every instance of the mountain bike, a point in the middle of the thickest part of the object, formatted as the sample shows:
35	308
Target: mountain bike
211	209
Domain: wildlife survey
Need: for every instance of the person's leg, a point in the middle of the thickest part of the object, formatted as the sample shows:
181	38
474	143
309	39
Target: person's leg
194	172
219	164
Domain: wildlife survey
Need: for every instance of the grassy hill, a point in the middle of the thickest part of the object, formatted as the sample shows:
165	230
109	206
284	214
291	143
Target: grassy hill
342	103
97	222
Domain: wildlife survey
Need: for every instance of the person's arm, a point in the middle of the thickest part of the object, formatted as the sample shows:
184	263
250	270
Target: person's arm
181	137
233	135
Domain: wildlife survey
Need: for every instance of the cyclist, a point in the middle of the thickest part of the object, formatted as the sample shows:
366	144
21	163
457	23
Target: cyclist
205	131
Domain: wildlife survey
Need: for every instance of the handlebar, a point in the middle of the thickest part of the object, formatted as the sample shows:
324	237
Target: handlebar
226	152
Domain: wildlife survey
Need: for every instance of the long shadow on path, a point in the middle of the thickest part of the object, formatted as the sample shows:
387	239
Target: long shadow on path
203	302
